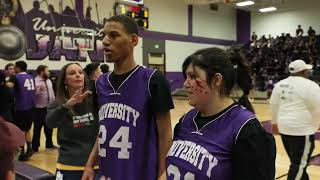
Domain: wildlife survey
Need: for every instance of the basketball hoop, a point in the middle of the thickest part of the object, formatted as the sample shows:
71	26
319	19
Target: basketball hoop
74	38
83	50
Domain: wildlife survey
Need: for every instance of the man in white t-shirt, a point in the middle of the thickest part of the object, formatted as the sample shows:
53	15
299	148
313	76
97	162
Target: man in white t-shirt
295	103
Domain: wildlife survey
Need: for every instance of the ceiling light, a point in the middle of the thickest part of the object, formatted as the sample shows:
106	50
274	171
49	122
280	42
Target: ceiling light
245	3
268	9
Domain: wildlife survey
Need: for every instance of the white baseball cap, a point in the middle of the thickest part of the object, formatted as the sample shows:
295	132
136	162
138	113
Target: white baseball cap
298	65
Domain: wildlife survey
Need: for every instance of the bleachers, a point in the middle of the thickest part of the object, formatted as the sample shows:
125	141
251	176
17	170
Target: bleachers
269	57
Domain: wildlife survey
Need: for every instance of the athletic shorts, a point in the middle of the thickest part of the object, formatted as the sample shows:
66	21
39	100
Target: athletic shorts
24	119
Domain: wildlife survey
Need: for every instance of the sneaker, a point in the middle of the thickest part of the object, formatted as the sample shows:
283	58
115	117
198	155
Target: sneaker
35	149
51	147
29	153
23	157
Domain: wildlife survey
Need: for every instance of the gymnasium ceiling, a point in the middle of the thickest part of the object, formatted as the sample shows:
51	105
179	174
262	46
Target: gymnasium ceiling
281	5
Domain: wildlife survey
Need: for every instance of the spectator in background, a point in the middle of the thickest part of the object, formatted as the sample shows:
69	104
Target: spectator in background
254	37
282	37
311	32
44	97
9	74
295	105
93	72
53	78
299	31
11	137
6	100
9	70
104	68
24	91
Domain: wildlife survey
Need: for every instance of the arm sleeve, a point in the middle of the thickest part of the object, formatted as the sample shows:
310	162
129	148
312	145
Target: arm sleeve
177	127
161	100
274	104
254	153
55	115
274	99
313	99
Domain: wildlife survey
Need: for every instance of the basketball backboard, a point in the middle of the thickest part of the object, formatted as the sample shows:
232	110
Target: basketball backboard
74	38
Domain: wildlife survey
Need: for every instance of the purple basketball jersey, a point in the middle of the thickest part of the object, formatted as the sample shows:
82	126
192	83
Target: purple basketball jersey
128	132
24	92
205	153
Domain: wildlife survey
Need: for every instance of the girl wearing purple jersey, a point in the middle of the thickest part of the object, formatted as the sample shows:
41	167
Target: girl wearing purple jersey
219	138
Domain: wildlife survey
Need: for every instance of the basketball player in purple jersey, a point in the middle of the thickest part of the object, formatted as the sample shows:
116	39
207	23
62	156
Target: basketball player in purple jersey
134	111
219	138
24	92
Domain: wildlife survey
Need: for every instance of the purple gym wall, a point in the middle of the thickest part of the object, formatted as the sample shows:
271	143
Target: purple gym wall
243	26
175	80
44	42
43	33
190	16
79	8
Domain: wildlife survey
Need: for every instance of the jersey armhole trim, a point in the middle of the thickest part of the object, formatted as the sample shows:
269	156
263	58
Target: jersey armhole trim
101	77
235	141
149	82
184	116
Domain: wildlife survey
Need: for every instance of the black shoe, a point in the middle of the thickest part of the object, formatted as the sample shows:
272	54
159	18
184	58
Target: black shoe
51	147
23	157
35	150
29	153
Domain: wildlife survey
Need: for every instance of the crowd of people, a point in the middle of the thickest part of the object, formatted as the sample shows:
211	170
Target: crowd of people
270	56
25	100
121	121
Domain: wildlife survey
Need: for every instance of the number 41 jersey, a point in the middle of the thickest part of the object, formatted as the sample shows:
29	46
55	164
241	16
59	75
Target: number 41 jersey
24	92
127	134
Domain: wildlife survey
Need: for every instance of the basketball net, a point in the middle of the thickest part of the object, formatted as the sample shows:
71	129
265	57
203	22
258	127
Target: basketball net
83	50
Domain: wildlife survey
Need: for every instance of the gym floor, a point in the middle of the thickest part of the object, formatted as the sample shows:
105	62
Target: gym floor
46	159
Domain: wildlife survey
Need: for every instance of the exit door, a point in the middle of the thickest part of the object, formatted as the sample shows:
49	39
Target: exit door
157	61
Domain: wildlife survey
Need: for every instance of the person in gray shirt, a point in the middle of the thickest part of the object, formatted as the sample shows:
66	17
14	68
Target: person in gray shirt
73	114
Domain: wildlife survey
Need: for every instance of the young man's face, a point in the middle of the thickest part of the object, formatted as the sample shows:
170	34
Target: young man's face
17	70
118	44
10	71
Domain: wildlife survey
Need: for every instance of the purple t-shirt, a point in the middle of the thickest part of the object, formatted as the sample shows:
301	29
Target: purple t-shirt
205	153
128	132
24	92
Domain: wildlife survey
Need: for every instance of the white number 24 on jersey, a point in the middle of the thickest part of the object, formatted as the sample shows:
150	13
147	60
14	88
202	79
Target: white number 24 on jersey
29	84
119	140
174	170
